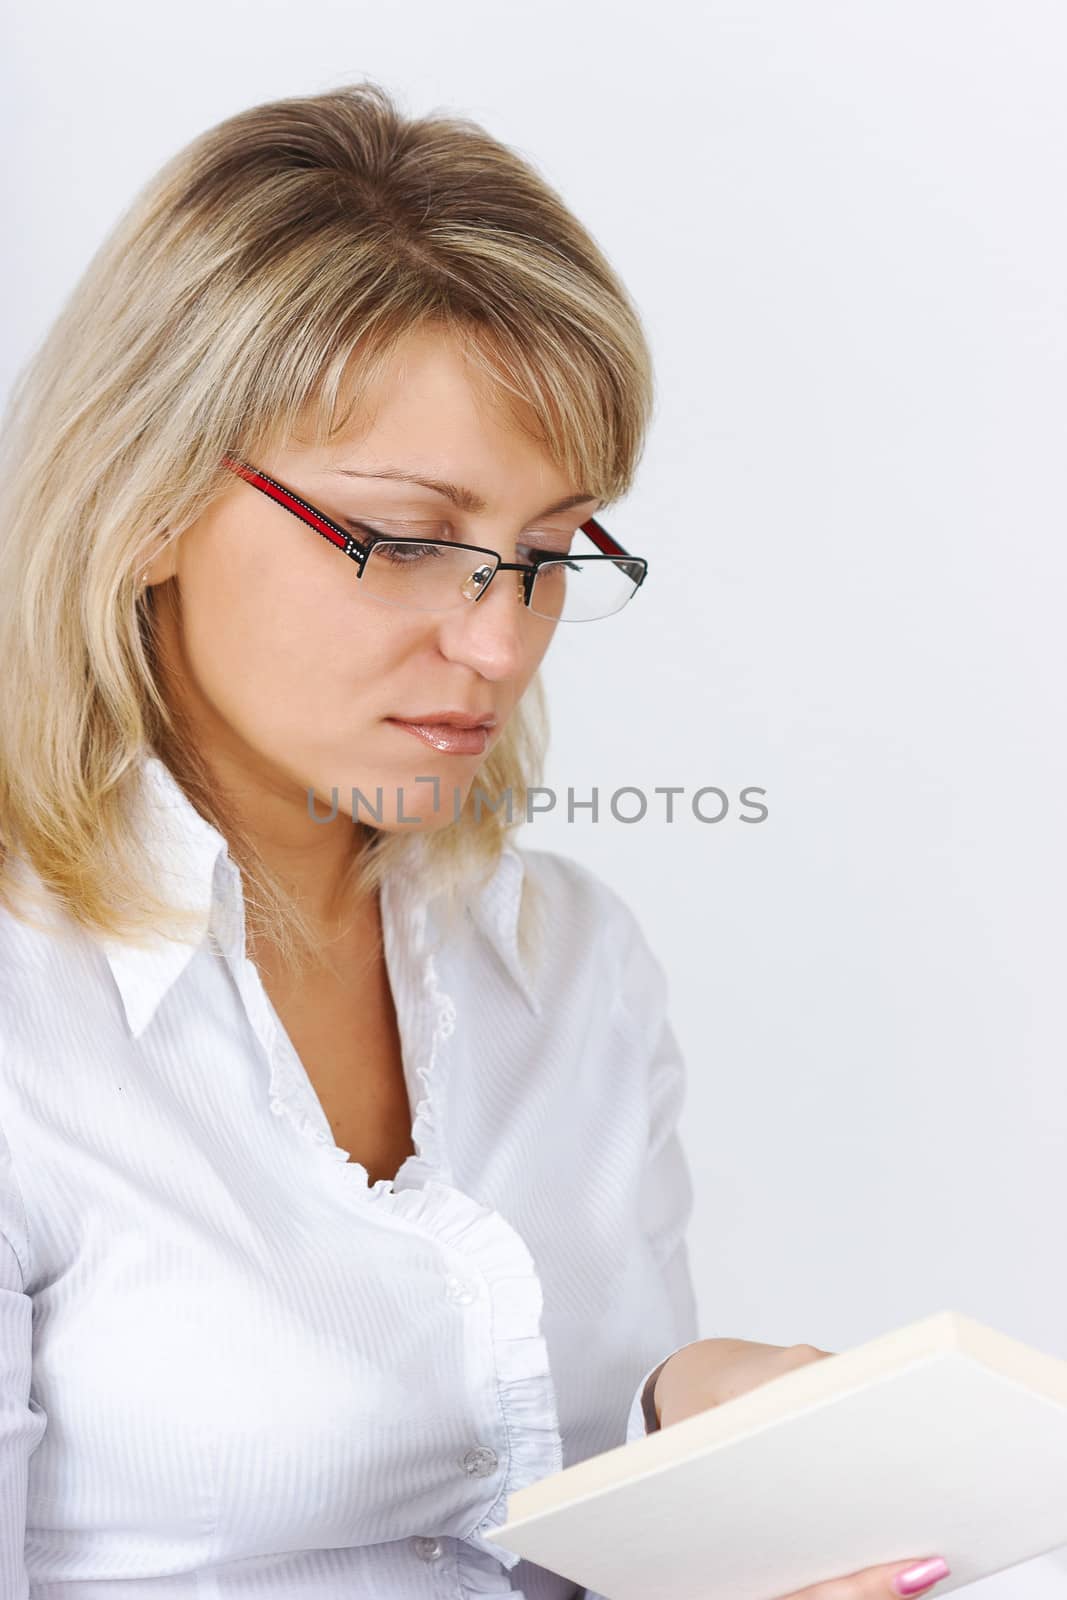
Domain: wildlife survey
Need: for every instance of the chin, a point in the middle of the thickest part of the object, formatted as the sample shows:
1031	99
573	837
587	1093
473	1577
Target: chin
406	806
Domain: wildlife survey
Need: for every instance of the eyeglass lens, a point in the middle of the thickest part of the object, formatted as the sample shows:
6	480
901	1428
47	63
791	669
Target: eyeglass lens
435	577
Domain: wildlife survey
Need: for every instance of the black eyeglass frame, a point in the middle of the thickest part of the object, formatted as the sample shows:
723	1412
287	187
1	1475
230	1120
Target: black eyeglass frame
359	550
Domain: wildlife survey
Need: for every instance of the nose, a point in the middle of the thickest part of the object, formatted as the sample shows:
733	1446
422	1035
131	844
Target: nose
491	633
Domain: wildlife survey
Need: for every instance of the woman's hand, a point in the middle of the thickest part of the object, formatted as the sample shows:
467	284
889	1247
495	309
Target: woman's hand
710	1371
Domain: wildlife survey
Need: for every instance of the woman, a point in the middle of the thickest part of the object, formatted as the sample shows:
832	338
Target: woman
341	1193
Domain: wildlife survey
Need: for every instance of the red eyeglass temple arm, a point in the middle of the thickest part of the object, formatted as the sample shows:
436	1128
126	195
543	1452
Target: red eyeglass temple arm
603	540
284	497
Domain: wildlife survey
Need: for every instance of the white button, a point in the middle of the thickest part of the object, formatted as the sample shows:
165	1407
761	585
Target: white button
480	1461
427	1549
277	1107
460	1290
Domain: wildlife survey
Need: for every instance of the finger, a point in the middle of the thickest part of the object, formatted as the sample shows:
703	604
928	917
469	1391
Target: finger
889	1581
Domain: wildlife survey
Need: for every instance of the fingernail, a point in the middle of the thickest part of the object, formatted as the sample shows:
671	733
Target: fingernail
913	1580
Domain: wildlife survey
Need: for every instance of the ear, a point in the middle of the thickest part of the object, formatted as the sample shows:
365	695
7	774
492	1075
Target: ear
158	568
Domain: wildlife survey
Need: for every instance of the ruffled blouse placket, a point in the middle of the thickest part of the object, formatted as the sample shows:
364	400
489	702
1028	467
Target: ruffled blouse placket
423	1197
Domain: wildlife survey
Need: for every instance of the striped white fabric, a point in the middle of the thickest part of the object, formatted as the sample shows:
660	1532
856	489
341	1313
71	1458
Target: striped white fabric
231	1367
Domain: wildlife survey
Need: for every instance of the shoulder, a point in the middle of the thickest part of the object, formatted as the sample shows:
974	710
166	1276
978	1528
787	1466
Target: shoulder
53	977
38	942
588	920
577	892
28	977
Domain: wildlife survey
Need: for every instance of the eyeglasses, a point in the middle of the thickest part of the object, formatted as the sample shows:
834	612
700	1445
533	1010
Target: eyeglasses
439	575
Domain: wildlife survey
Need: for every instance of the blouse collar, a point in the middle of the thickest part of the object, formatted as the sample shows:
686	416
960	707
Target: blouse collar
196	873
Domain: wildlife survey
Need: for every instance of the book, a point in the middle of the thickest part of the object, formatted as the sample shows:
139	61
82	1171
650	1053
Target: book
944	1437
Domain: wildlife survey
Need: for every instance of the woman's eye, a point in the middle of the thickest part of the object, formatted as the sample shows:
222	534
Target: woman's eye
546	552
367	527
405	552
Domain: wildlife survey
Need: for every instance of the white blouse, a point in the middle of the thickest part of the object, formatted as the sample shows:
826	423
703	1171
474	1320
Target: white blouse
231	1367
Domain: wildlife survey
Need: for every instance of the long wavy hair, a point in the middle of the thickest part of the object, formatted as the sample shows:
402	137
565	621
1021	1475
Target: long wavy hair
276	256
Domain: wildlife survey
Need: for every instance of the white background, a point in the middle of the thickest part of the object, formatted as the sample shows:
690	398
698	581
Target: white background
844	226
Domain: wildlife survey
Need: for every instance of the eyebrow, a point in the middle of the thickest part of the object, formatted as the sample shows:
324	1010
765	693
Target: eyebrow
464	499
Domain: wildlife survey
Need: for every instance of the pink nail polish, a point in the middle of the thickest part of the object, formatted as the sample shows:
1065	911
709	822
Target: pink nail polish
913	1580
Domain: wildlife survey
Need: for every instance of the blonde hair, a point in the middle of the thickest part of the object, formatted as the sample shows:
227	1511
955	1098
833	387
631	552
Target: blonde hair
278	253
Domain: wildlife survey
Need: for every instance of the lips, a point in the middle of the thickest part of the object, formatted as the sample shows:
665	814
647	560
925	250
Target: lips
449	719
450	738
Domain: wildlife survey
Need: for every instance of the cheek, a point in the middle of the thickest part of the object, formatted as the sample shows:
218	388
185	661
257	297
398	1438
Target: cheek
537	647
270	653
